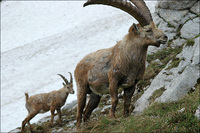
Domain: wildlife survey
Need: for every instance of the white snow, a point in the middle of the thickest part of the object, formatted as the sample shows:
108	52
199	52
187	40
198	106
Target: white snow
40	39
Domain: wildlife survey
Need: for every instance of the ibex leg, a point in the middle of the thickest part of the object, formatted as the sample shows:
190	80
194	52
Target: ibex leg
114	98
81	100
30	127
59	117
92	104
27	119
52	116
128	93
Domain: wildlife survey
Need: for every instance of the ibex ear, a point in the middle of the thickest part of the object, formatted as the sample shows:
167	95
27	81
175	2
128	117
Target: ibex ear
134	29
64	84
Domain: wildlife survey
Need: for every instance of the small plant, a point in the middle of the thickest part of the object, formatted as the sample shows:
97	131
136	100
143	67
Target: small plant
170	42
157	94
165	55
197	36
190	42
175	62
170	25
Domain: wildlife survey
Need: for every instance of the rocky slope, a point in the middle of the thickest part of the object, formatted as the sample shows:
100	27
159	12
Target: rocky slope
180	21
172	70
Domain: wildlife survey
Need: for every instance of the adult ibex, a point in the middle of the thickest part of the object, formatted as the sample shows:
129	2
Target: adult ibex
122	65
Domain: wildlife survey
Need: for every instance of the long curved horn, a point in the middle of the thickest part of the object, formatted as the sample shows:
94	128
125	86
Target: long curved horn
71	79
123	5
66	81
141	5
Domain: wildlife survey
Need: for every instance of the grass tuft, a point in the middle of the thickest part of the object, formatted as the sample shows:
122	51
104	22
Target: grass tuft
190	42
157	94
175	62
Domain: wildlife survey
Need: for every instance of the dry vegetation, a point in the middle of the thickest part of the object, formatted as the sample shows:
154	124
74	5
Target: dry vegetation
159	117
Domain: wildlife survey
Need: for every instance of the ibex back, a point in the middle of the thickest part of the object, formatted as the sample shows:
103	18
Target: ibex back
122	65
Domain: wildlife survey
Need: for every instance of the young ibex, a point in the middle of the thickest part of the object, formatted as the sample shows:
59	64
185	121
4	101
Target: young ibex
44	102
120	66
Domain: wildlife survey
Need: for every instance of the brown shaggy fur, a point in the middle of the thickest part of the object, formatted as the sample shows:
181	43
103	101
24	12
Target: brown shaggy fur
106	70
44	102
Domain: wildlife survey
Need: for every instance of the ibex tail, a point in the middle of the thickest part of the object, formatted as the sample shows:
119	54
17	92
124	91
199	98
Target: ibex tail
26	94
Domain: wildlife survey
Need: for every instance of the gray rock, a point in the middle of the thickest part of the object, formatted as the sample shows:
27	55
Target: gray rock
197	113
190	29
177	42
195	8
105	108
196	57
146	64
188	16
189	67
176	4
175	81
156	18
181	110
70	105
174	17
153	49
181	85
71	124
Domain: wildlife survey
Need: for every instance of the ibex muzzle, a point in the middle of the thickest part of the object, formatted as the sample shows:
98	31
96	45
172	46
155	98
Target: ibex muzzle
122	65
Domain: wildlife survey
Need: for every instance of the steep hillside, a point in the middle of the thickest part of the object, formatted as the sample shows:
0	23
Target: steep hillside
159	117
177	116
167	98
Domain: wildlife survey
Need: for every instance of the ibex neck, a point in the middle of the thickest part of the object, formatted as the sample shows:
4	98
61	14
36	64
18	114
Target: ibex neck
134	45
132	55
63	93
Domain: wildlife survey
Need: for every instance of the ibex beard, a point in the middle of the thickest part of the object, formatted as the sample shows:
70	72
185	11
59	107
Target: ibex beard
121	66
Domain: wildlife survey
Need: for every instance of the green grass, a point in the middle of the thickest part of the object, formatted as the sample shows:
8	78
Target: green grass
190	42
165	55
175	62
197	36
160	117
157	94
170	25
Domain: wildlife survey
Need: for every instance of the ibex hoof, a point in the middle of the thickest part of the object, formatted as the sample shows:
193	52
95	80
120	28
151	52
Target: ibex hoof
126	114
111	115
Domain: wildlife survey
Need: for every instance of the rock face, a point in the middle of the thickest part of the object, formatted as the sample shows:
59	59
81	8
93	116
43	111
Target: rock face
195	8
189	29
177	81
180	21
176	4
173	17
